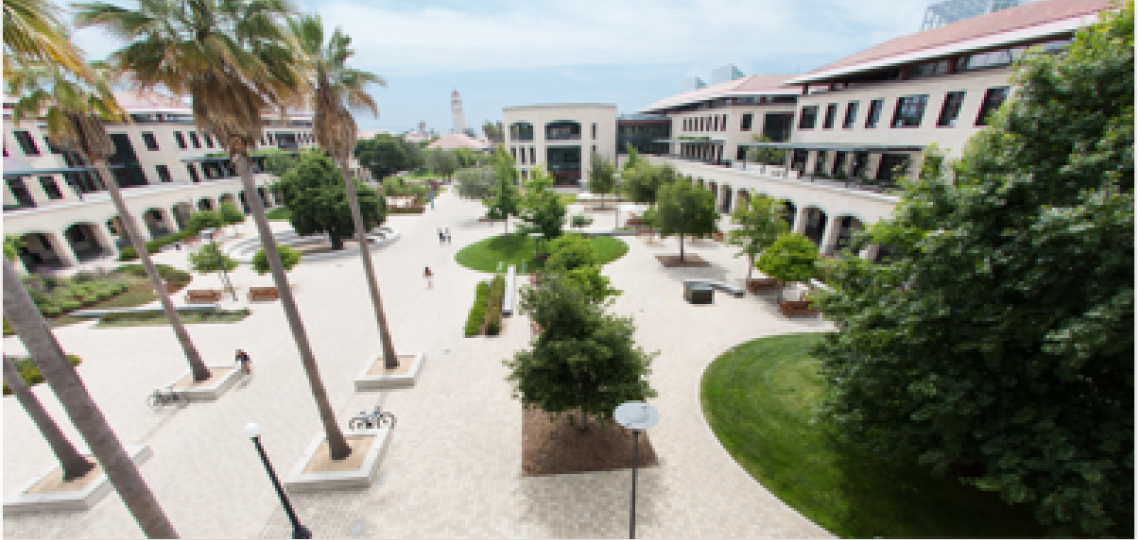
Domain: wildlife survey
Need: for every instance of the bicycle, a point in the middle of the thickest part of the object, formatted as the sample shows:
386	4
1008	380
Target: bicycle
374	420
163	397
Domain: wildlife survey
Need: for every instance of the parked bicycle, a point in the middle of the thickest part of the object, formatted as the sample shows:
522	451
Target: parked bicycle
165	396
374	420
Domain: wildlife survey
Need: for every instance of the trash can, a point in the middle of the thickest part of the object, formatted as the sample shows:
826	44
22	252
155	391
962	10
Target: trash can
698	293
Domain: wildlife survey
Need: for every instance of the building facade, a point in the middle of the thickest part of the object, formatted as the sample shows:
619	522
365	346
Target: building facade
560	138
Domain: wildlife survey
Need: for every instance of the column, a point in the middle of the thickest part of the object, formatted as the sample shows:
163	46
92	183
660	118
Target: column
104	239
62	249
830	235
869	253
800	224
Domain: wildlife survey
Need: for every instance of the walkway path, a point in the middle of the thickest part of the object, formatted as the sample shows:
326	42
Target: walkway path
453	469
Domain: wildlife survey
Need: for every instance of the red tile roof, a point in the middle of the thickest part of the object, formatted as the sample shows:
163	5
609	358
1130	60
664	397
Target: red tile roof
754	84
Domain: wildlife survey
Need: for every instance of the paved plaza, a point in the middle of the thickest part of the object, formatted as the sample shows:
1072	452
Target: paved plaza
454	465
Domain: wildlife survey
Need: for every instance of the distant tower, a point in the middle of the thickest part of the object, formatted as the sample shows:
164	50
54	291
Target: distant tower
457	123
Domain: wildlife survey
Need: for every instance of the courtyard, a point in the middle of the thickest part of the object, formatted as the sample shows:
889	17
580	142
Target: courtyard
454	465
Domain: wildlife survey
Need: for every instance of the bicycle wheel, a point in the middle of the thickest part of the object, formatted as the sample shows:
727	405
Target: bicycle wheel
388	419
358	423
154	401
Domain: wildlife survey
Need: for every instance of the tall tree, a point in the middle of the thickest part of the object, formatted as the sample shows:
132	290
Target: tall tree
75	111
541	207
73	464
476	183
506	200
1001	334
759	221
236	60
791	258
493	130
35	334
337	89
442	162
684	208
601	178
318	200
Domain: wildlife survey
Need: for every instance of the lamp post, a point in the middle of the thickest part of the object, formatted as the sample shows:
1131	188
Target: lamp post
253	431
208	234
637	416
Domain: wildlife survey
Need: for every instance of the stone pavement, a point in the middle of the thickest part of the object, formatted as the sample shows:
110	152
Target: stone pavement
454	466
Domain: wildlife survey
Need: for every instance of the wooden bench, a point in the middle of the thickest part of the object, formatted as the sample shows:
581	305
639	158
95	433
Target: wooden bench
791	308
262	293
209	295
765	284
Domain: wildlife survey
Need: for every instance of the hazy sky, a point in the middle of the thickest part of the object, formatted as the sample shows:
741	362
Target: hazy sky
629	52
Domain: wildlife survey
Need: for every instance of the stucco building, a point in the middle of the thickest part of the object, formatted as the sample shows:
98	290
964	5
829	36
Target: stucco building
560	137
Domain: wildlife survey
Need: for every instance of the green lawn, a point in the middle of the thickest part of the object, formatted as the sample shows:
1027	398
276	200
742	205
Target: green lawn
278	214
758	398
485	255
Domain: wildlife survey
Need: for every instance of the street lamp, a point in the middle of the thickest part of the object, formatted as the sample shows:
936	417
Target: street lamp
208	234
638	416
253	431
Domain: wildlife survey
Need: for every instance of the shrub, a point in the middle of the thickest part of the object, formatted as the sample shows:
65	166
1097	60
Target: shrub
493	319
475	316
50	310
89	299
70	305
31	374
84	277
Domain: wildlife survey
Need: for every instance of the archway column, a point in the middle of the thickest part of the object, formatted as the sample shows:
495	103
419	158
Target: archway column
62	248
800	224
104	239
830	234
869	253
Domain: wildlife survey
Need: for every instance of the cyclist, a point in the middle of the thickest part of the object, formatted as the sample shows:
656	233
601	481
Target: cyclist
243	360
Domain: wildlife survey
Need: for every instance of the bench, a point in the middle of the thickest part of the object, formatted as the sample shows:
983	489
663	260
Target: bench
720	286
765	284
209	296
797	307
262	293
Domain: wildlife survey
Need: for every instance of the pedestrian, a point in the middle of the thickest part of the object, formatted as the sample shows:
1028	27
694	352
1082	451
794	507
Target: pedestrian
447	234
432	201
243	360
428	276
440	233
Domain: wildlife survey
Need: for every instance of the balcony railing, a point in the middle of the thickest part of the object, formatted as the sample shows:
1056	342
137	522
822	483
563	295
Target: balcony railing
520	138
563	136
565	167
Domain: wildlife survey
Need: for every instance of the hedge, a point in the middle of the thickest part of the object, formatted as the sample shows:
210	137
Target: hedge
475	316
405	209
31	374
493	321
129	254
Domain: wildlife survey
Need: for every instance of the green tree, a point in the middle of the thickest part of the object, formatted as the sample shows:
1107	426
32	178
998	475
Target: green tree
571	251
318	203
493	130
595	286
506	199
383	155
792	257
1001	332
584	359
684	208
642	182
475	183
465	157
442	162
581	221
602	177
280	162
759	223
230	214
209	258
289	258
634	158
541	207
12	245
205	219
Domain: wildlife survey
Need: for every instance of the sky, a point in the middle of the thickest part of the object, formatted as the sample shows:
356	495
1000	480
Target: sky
500	53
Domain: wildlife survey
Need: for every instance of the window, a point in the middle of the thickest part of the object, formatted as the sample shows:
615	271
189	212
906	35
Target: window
52	190
820	163
740	152
532	154
837	170
927	69
193	173
851	114
163	173
594	130
149	140
724	122
27	144
807	116
892	166
829	118
874	114
514	154
746	122
51	147
178	139
208	140
993	100
194	140
908	111
951	106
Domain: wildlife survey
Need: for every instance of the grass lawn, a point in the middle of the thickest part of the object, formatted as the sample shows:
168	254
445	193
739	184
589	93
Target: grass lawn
188	317
485	255
278	214
758	398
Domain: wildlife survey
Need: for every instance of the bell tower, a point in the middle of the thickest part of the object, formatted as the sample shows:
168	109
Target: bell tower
457	123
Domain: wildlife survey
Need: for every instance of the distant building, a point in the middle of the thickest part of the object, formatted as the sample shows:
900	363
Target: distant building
459	140
692	83
457	123
560	137
725	73
952	11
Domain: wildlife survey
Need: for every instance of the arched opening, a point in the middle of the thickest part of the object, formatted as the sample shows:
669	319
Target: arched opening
244	205
265	202
156	223
227	198
39	251
743	196
563	130
118	236
816	221
848	226
84	242
182	212
789	214
726	199
205	203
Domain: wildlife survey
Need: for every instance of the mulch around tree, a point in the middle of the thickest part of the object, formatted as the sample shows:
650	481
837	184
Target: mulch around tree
674	261
560	448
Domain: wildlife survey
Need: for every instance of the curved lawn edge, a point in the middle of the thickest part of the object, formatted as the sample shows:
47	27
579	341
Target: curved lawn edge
712	434
512	248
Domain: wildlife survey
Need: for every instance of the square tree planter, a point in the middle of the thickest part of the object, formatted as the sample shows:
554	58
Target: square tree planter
48	493
375	377
316	472
221	379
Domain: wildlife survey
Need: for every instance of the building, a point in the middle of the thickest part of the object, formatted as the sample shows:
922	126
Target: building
455	141
458	125
166	168
952	11
560	138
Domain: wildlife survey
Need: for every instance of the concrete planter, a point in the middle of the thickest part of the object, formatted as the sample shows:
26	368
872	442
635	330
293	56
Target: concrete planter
223	378
75	499
315	472
374	377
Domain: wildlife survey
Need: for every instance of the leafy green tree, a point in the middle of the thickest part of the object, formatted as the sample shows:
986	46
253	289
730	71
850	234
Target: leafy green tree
230	214
541	207
209	258
602	176
12	245
767	156
442	162
289	258
506	199
204	219
594	285
1001	334
318	203
634	158
475	183
571	251
280	162
792	257
493	130
465	157
759	222
584	359
642	182
581	221
383	155
683	208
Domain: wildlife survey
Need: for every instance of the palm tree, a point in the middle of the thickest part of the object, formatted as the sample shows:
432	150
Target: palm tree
73	463
33	33
236	61
75	113
48	356
337	88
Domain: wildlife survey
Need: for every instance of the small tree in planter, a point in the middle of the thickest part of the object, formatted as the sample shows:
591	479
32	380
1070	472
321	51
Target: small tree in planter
601	179
792	257
584	359
209	258
289	258
759	222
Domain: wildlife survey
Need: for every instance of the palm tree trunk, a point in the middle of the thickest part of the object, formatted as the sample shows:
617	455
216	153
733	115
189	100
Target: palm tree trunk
751	264
73	463
197	366
48	356
338	445
390	360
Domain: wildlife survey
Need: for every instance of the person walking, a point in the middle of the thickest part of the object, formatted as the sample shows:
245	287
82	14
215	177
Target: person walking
428	276
447	235
440	233
244	361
